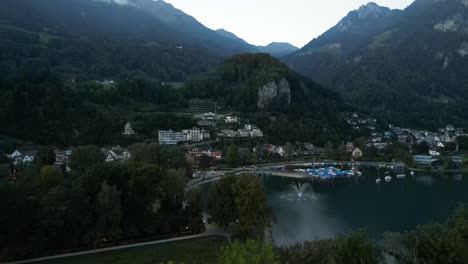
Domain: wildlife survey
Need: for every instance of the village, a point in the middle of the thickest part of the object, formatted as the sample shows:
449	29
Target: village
428	148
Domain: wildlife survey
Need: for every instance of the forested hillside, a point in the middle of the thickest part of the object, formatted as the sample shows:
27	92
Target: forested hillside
405	65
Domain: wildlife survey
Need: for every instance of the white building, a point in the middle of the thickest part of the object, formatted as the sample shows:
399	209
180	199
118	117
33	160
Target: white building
193	135
128	130
169	137
231	119
357	153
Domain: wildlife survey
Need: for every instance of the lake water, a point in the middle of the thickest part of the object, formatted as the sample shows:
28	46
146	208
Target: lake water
331	208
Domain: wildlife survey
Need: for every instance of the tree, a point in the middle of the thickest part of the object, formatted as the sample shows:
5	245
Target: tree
109	214
45	156
221	204
251	205
463	142
421	148
252	252
204	161
233	156
289	149
51	176
354	247
82	158
244	156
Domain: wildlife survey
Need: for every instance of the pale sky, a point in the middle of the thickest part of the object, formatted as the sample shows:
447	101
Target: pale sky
261	22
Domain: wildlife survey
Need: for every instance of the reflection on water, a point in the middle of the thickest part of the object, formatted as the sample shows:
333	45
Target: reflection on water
331	208
424	179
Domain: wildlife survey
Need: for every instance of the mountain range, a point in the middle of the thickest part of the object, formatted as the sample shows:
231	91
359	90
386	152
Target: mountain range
407	65
402	65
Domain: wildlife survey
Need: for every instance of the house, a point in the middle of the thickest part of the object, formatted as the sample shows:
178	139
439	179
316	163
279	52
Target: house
380	146
14	155
357	153
457	159
128	130
440	145
116	154
231	119
269	148
425	160
280	151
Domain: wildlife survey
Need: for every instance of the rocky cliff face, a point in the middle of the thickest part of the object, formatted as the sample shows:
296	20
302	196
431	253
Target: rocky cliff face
271	90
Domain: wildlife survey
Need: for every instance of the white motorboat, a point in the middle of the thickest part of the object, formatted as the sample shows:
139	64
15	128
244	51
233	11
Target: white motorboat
401	176
378	180
388	178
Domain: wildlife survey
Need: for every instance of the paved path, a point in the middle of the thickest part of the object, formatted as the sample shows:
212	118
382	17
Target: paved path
94	251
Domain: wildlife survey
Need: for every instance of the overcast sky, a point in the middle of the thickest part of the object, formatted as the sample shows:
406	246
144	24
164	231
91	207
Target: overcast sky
260	22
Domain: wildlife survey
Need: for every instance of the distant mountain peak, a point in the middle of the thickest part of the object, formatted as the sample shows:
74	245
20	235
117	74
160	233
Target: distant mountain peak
278	49
372	10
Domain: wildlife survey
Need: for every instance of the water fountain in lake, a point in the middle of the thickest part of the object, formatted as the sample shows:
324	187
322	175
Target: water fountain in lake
299	188
299	192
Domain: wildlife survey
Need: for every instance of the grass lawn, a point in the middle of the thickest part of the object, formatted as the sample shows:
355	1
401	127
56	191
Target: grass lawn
201	250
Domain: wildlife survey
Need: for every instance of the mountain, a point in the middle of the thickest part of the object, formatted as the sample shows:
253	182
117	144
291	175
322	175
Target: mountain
233	37
404	65
109	39
283	103
278	49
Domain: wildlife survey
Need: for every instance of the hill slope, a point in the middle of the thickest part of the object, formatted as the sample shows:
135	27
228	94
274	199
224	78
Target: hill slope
407	65
278	49
286	105
109	39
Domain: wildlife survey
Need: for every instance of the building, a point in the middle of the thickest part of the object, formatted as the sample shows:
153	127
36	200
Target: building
425	160
357	153
116	154
128	130
196	153
193	135
169	137
349	147
231	119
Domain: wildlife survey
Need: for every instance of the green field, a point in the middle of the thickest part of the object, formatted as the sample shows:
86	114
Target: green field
202	250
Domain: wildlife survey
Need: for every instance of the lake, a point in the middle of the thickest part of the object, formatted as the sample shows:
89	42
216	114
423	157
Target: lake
334	207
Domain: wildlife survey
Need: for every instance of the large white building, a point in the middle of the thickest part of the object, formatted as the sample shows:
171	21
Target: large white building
169	137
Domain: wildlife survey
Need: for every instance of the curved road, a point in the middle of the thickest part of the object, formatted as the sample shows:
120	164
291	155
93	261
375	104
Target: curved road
211	230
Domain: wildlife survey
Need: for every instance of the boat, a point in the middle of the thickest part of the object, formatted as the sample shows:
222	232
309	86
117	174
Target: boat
412	173
378	180
401	176
388	178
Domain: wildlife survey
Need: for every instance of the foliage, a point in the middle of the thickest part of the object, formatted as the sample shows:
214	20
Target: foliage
396	65
435	243
352	248
221	205
251	251
45	156
462	142
51	176
84	157
251	205
239	203
97	203
232	156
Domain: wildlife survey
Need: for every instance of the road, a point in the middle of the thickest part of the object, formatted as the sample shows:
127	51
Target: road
211	230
